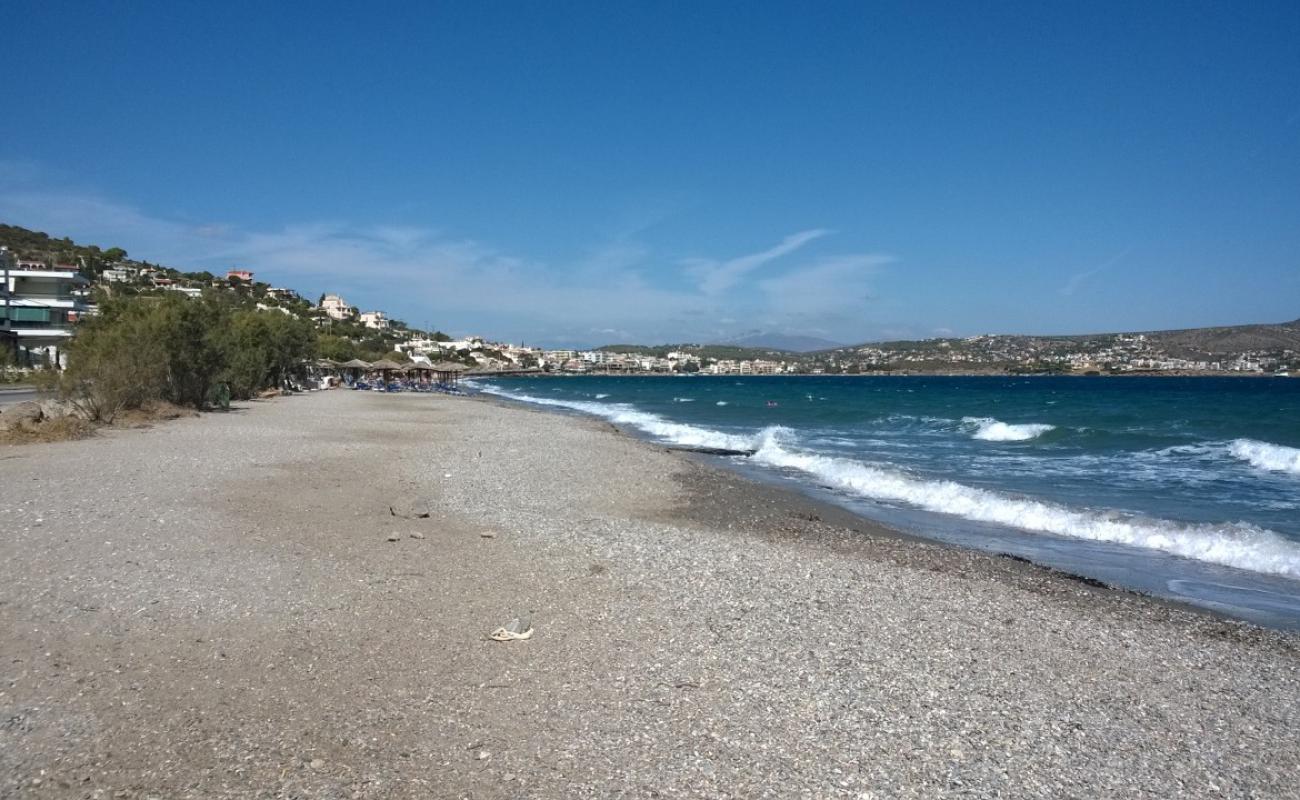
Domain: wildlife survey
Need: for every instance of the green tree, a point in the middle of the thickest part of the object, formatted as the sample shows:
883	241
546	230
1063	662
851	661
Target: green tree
338	348
263	349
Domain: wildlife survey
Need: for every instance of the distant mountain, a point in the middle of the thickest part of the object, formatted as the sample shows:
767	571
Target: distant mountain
766	340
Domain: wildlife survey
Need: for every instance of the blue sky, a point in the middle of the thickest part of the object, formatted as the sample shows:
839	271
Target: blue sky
596	172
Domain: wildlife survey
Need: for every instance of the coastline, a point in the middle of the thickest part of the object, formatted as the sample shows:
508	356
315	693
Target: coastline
780	511
223	614
888	374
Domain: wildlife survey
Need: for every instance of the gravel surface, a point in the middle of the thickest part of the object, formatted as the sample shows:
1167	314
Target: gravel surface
227	607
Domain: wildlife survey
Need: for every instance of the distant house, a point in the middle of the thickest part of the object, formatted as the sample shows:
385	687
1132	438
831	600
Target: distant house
241	274
336	308
375	319
120	274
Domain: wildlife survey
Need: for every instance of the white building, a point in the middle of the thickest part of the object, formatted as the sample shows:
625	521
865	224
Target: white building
121	274
374	319
38	307
468	343
335	308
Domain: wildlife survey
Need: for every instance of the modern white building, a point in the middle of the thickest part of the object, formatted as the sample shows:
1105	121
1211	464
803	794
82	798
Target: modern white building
120	274
335	308
38	306
374	319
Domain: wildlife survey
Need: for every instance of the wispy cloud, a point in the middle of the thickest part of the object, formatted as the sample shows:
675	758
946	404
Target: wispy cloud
834	284
618	289
1079	278
716	277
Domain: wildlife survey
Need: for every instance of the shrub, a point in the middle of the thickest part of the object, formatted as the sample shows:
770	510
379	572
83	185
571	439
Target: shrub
148	349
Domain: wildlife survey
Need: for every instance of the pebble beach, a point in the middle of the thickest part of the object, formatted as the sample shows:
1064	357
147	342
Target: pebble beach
294	599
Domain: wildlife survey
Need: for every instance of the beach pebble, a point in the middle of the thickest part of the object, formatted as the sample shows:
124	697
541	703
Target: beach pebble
392	537
317	764
417	535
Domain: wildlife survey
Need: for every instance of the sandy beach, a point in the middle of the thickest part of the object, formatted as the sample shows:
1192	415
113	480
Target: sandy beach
225	606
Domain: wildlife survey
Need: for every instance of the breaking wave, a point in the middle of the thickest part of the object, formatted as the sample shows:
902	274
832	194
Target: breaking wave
653	424
1272	457
991	430
1238	545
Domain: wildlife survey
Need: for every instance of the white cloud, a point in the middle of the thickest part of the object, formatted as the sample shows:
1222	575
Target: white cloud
421	274
832	285
716	277
1079	278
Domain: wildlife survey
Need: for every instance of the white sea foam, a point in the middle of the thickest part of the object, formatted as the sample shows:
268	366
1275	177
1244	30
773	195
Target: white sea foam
1232	544
683	399
653	424
601	396
991	430
1237	545
721	403
1272	457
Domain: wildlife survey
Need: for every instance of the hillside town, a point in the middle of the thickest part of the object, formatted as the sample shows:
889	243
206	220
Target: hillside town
43	299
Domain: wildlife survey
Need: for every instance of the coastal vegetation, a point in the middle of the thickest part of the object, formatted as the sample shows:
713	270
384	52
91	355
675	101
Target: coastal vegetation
145	349
155	334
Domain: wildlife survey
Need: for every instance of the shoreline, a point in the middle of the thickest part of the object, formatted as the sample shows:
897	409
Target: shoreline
233	610
838	527
882	374
1104	571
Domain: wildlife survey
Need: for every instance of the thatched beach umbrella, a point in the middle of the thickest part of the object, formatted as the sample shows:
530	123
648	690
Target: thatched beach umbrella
385	366
420	370
356	365
448	371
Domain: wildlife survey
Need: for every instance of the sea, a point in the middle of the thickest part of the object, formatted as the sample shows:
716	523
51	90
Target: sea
1182	488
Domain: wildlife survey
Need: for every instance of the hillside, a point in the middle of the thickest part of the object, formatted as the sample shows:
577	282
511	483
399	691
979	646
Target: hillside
340	340
1221	340
39	246
1231	339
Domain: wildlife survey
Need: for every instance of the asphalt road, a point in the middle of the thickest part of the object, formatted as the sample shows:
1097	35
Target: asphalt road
9	397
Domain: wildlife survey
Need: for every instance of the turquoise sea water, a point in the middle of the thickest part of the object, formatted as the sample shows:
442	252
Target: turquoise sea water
1182	487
